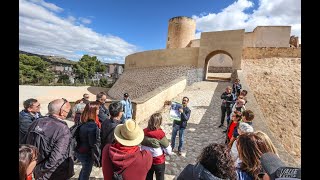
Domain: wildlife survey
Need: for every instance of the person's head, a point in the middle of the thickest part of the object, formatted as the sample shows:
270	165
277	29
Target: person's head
274	168
116	109
28	155
268	141
240	102
228	89
31	105
250	148
86	96
59	108
247	115
125	96
244	128
244	92
236	116
185	101
155	121
90	112
101	97
236	81
129	133
217	159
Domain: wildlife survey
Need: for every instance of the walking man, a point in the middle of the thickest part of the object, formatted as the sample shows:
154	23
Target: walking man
180	125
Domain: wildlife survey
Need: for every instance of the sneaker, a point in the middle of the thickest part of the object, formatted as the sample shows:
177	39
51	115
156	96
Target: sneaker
179	153
224	131
220	125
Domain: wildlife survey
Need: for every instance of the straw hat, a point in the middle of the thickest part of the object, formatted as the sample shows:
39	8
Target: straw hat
129	133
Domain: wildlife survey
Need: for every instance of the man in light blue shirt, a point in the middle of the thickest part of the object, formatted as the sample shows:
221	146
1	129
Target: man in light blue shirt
127	108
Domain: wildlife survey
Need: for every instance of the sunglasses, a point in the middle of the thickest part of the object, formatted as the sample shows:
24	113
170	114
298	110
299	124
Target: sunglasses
64	102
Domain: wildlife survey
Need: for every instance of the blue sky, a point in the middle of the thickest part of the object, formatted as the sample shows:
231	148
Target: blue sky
113	29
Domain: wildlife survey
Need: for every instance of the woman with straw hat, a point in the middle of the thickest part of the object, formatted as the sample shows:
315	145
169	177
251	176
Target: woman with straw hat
124	158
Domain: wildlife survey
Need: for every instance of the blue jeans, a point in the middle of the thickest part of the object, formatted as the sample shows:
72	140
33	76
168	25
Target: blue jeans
175	129
87	163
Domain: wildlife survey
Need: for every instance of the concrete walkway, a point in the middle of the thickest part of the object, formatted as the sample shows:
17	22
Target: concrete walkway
202	128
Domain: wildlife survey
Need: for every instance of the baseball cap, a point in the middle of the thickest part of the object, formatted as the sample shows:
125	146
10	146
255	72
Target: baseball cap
277	170
126	95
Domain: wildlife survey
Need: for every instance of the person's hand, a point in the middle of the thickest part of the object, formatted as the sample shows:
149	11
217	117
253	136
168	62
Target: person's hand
181	110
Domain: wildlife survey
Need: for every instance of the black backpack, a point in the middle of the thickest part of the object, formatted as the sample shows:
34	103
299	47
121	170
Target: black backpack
75	129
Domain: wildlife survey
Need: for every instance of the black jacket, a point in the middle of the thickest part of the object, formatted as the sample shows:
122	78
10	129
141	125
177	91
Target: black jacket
185	115
103	113
52	138
228	98
195	172
89	141
25	120
107	130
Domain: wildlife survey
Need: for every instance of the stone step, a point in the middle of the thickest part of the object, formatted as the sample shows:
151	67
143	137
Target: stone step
216	78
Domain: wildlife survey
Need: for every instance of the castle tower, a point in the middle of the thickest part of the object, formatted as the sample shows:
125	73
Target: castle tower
181	31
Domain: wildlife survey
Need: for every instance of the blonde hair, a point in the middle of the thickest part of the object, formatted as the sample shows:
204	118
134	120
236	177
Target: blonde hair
267	141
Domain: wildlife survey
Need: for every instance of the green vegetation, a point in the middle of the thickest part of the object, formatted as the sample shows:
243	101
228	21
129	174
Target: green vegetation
33	69
87	66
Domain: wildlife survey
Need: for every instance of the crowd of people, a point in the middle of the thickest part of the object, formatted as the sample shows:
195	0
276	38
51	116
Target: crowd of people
106	136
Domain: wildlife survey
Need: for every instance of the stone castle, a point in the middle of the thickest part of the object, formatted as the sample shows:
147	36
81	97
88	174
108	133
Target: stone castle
148	74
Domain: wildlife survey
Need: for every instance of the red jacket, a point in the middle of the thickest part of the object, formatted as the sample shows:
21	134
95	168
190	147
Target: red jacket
231	129
130	161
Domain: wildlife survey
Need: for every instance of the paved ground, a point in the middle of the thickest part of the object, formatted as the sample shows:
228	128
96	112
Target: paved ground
202	127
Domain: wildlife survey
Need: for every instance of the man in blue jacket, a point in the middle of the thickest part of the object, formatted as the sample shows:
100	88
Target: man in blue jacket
127	108
30	113
180	125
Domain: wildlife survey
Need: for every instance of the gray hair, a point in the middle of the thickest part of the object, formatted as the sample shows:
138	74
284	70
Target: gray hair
245	127
54	106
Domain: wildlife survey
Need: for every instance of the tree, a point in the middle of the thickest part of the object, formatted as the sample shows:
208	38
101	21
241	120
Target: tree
33	69
87	66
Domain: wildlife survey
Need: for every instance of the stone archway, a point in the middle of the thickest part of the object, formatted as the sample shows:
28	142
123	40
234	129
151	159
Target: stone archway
209	56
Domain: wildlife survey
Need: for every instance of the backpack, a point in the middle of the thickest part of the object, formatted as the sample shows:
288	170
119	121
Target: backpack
75	130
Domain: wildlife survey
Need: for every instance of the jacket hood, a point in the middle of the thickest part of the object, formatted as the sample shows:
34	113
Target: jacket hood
121	159
199	172
158	134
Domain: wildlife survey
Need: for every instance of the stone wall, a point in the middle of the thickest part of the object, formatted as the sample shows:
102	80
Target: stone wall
212	69
139	81
267	52
153	101
268	36
164	57
181	31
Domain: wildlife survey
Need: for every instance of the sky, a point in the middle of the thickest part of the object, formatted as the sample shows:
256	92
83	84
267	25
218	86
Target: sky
113	29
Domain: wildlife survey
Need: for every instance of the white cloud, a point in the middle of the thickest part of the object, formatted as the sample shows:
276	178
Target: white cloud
42	31
85	20
268	12
49	6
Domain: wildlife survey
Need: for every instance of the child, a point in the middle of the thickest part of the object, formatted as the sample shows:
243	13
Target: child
156	142
28	155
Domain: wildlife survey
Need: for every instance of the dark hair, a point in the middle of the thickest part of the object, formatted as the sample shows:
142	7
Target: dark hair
90	111
155	121
29	103
186	98
248	114
100	94
245	91
217	159
115	108
27	153
250	148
